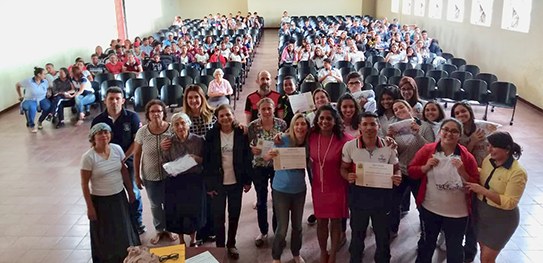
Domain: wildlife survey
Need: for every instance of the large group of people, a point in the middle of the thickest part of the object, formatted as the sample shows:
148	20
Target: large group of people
196	166
323	42
463	191
51	90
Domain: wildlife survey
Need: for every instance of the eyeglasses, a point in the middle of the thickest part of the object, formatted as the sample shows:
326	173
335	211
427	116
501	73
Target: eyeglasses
451	131
353	83
165	258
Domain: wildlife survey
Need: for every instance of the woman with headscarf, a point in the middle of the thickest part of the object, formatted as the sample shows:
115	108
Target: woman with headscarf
111	229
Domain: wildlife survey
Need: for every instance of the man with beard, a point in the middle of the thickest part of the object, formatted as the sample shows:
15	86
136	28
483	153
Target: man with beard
263	80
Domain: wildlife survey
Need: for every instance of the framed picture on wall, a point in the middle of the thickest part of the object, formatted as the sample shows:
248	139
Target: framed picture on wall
419	7
481	12
407	5
455	10
517	15
395	6
435	9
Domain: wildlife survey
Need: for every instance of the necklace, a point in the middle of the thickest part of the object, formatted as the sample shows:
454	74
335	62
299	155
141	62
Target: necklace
321	162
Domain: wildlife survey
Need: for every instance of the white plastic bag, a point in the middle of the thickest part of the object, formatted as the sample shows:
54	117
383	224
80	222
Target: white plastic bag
180	165
445	174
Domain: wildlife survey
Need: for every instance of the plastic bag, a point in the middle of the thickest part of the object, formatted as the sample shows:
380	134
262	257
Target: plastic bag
180	165
445	174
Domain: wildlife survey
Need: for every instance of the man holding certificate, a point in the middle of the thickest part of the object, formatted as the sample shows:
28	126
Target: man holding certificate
372	169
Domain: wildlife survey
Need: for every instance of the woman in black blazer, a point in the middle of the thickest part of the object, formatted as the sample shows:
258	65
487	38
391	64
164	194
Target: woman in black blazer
227	162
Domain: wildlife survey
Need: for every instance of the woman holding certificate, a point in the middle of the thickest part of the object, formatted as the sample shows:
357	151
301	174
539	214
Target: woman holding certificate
443	168
184	196
261	134
405	132
227	177
498	191
288	191
329	189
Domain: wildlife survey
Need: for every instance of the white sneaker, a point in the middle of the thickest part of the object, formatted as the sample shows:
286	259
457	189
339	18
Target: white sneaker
34	130
441	241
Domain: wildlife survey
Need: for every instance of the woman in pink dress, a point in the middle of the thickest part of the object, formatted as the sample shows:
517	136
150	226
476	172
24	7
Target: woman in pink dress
329	190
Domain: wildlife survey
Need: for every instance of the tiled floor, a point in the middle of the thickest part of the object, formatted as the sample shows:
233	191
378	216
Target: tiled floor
42	212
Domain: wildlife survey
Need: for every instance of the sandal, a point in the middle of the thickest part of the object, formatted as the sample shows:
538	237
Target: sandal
171	236
156	238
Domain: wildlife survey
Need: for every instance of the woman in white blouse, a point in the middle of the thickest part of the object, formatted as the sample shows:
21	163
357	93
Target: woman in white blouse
218	89
104	178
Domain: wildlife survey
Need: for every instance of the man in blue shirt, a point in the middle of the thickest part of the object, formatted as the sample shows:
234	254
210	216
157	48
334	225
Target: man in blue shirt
124	125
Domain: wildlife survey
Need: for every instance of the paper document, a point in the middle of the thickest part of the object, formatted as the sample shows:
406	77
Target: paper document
180	165
175	253
289	158
264	146
302	102
205	257
402	127
377	175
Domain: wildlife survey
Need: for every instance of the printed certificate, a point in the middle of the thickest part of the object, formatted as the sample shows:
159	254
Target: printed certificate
302	102
377	175
289	158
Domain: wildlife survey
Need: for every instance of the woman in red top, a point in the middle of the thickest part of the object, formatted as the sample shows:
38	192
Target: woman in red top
132	64
444	204
329	189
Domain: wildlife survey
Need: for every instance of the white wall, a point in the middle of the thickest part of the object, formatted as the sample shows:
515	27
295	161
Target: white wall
512	56
57	31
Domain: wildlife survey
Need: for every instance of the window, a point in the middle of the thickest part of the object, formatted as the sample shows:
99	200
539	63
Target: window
481	12
395	6
406	7
455	10
419	8
435	9
517	15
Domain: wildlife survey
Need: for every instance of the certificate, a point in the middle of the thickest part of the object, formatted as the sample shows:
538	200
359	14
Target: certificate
302	102
377	175
289	158
264	146
402	127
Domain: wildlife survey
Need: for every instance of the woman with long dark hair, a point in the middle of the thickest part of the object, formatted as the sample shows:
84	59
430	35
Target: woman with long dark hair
501	185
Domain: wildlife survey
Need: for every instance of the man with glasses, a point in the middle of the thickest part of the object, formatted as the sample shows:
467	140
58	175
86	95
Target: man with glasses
366	98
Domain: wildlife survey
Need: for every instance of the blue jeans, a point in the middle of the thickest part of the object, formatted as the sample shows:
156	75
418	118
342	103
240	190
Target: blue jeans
155	193
30	107
83	100
288	205
136	208
261	177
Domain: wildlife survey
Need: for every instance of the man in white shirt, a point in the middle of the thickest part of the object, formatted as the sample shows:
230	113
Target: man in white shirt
369	201
52	74
365	98
329	74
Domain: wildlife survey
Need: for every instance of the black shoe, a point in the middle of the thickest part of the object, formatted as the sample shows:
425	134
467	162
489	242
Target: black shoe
87	113
59	124
49	117
233	252
469	259
195	244
141	229
210	239
55	120
311	220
